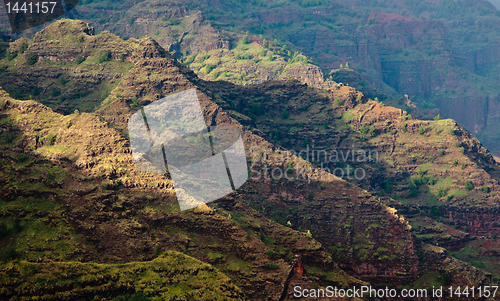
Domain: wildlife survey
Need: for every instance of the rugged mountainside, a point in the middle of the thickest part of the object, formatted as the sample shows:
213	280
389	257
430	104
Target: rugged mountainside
443	54
70	191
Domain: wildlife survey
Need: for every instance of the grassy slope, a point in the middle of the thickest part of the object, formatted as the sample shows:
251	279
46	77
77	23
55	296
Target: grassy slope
250	62
171	275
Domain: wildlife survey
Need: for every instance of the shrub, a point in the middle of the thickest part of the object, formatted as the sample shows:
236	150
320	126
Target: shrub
455	163
271	254
79	59
134	103
35	91
404	127
485	189
276	135
31	58
421	130
256	109
452	132
310	196
62	80
104	56
6	137
413	189
441	193
209	68
468	185
8	254
22	158
51	138
10	55
321	187
364	129
270	266
285	114
23	47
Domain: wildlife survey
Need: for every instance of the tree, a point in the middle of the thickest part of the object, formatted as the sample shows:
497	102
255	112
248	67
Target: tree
309	234
246	40
347	65
468	185
437	117
31	59
364	129
421	130
341	66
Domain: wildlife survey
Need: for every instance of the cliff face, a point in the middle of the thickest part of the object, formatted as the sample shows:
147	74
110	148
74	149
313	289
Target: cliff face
442	180
443	55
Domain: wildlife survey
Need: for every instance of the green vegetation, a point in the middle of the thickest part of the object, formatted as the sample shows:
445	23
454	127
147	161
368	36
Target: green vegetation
421	130
31	58
104	56
468	185
171	274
